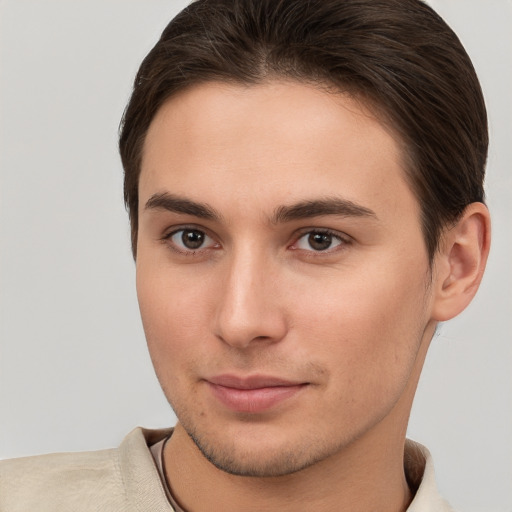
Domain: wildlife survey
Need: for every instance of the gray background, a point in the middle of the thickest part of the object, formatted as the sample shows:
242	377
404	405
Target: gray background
74	371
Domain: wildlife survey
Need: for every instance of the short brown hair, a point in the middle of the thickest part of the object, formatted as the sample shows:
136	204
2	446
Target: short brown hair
397	55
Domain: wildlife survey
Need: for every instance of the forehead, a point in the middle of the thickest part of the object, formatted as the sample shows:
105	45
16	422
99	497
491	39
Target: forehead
279	141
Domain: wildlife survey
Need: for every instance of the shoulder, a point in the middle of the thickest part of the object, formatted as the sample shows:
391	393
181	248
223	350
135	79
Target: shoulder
88	481
64	479
419	470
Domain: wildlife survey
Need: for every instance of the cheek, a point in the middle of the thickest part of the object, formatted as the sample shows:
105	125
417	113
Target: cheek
368	328
173	316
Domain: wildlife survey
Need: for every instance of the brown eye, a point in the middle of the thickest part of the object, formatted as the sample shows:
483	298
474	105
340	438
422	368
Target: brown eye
318	241
189	239
192	239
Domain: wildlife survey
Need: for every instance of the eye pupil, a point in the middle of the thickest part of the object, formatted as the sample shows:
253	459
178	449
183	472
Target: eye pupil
192	239
320	241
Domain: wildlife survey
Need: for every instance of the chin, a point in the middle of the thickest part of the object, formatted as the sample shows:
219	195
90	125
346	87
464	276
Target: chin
260	450
256	461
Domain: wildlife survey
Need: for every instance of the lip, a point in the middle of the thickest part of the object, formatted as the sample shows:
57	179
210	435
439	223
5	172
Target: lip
253	394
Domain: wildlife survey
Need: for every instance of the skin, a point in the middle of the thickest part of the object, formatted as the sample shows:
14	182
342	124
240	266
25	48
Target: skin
338	299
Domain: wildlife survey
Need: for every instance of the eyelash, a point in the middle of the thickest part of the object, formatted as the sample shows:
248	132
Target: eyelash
343	241
167	239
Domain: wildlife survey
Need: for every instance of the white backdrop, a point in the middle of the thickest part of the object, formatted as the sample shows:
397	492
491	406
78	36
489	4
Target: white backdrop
74	371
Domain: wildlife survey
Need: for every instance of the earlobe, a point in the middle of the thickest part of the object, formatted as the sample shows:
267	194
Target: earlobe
460	263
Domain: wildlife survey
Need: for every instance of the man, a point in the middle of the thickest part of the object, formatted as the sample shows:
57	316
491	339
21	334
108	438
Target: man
304	182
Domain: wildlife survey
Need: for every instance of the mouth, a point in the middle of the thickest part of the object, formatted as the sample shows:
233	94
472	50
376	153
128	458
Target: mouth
253	394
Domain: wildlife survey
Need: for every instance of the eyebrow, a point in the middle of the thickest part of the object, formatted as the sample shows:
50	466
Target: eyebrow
177	204
286	213
316	208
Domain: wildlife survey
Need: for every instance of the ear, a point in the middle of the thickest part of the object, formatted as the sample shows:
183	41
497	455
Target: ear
460	262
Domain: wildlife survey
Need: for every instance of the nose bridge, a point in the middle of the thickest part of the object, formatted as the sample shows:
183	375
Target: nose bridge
247	307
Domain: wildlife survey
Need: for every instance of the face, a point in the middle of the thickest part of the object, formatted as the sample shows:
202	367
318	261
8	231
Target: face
282	275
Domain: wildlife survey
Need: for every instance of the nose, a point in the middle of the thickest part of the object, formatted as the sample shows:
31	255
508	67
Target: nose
249	309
